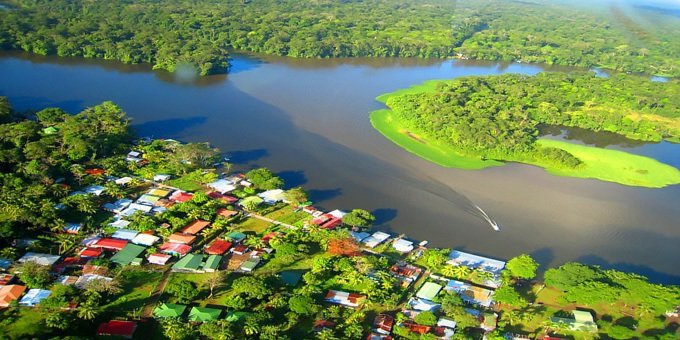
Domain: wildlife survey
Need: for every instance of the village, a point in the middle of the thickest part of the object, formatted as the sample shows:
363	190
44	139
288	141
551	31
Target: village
149	265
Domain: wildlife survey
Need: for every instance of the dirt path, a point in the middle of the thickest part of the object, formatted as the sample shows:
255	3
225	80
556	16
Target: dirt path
153	298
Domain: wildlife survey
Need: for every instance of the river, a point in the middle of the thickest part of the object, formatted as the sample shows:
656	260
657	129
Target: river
308	121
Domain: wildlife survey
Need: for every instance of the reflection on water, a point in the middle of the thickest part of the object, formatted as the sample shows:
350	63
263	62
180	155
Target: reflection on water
601	139
307	119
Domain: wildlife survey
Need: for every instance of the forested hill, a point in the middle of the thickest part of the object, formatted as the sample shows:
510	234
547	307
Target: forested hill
168	33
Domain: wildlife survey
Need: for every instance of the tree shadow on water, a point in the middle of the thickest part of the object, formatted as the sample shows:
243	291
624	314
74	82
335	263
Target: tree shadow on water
293	178
167	128
247	156
320	195
384	215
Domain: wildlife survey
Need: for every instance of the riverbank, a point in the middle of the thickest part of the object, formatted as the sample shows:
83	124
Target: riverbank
602	164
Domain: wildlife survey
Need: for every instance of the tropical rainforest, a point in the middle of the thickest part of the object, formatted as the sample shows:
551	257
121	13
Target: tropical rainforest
498	117
171	33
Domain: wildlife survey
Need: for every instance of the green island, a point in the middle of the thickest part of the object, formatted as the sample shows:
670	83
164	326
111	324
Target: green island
171	33
107	235
475	122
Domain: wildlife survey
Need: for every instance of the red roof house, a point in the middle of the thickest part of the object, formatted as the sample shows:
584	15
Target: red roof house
6	279
119	328
95	172
240	249
175	248
10	293
218	247
226	212
194	227
181	196
383	323
416	328
182	238
110	244
331	223
91	252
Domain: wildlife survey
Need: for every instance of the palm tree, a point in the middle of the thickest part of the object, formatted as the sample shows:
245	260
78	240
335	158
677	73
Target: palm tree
254	242
461	272
449	271
65	242
87	311
481	276
251	328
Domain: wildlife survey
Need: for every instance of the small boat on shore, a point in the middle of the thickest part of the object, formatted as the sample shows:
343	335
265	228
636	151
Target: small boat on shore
488	219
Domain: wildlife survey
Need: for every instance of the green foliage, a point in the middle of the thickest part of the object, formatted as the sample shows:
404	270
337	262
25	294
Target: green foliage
296	196
184	291
303	305
508	295
426	318
571	274
264	179
34	275
358	218
522	267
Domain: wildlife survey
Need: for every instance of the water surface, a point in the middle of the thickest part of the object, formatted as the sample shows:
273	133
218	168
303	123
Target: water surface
308	120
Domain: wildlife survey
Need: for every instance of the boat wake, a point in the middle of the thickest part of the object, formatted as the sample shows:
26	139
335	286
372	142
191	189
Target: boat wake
488	219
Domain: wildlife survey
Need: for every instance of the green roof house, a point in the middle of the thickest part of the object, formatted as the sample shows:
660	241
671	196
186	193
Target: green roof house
250	264
429	290
201	314
128	254
212	263
169	310
236	236
582	321
236	316
190	263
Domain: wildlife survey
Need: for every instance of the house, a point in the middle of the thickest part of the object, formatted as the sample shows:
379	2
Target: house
96	190
416	328
175	248
120	223
240	249
145	239
345	298
218	247
359	236
128	254
161	178
169	310
320	325
6	279
226	212
429	291
470	293
160	259
447	323
201	314
41	259
123	180
405	273
125	234
110	244
375	239
459	258
84	280
140	207
117	328
34	296
582	321
159	192
250	264
181	238
148	199
10	293
212	263
117	206
272	196
89	252
181	196
383	324
67	280
222	186
73	228
95	270
73	262
95	172
422	305
337	213
195	227
376	336
190	263
5	263
225	198
236	236
402	245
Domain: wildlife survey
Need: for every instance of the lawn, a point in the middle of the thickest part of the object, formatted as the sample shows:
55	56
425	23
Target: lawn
22	323
185	183
615	166
253	224
137	284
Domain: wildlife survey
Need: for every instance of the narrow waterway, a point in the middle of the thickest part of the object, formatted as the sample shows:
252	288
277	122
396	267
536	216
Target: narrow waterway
308	120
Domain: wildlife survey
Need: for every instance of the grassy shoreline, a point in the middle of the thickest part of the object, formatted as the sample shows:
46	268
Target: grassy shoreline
602	164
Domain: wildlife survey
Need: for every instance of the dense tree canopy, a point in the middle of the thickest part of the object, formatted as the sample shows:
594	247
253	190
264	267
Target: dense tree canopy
498	117
173	33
